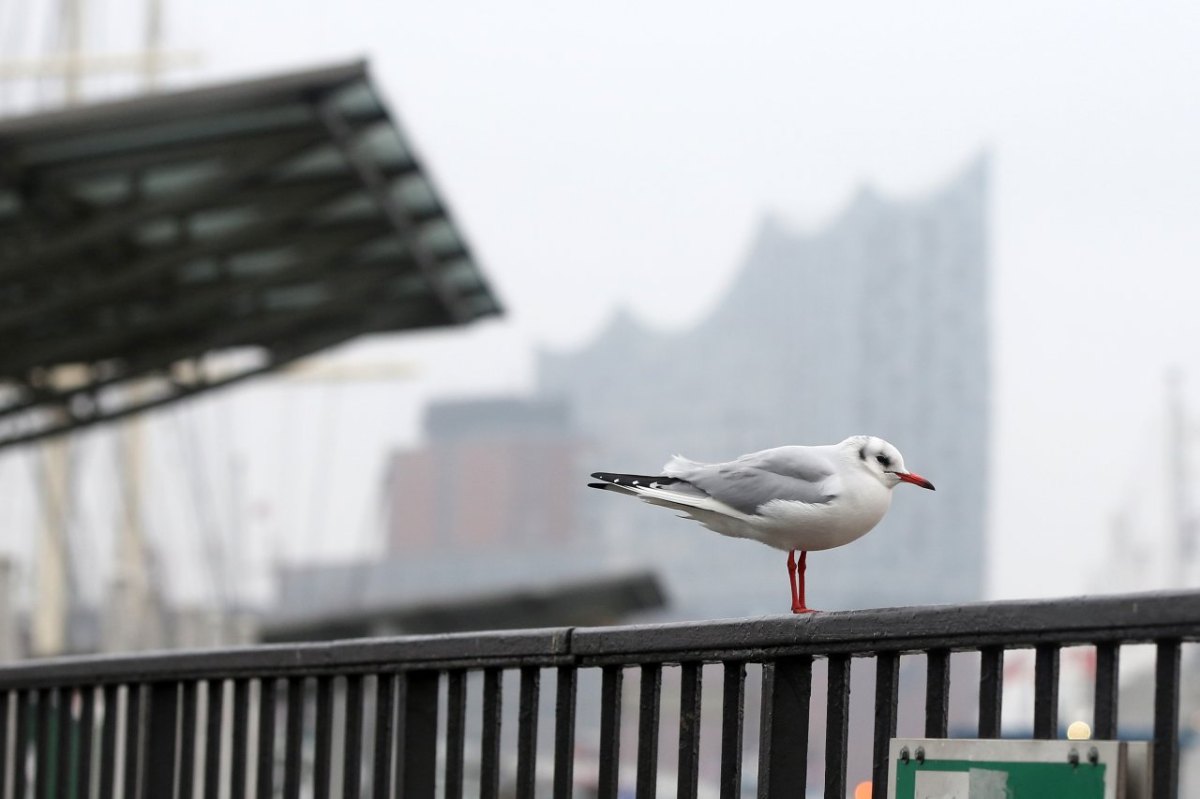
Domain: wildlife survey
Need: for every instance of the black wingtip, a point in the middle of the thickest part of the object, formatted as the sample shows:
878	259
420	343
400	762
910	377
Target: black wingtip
597	485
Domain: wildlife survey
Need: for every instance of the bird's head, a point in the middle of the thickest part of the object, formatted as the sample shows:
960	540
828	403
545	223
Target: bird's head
884	461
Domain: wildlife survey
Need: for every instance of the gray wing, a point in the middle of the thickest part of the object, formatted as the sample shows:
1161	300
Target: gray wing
798	474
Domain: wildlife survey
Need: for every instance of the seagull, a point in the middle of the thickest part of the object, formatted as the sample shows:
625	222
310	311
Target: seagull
798	499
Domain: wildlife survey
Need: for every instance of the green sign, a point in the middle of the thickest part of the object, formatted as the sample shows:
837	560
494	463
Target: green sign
990	779
1011	769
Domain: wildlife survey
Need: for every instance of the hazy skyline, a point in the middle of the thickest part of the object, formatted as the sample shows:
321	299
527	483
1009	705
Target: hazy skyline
603	155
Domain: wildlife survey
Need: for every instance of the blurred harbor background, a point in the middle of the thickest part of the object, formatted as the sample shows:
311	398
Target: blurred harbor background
690	229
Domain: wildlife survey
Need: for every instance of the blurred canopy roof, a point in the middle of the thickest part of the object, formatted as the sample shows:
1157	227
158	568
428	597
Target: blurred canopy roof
205	236
546	601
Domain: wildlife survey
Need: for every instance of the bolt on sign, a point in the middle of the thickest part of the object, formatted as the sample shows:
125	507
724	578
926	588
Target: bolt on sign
929	768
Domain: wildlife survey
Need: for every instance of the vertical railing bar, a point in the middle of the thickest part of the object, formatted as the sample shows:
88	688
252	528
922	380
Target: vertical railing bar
385	721
837	722
323	753
5	707
65	770
783	727
887	684
87	734
690	696
239	748
456	715
527	719
187	739
1108	664
991	690
648	712
732	723
159	765
132	788
937	693
489	764
1045	692
265	768
21	744
564	731
108	742
293	738
398	738
418	767
611	678
353	754
43	775
1165	767
212	738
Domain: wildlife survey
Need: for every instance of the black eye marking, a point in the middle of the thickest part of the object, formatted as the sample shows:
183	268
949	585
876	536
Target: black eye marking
884	460
862	453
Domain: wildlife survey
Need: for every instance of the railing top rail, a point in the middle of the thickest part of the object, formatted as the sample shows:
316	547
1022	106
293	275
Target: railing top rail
1012	624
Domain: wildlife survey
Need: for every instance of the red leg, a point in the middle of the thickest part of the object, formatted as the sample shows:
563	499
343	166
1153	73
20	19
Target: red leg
802	567
796	606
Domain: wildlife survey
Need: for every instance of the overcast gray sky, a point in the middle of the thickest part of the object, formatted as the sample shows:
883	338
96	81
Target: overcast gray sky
601	154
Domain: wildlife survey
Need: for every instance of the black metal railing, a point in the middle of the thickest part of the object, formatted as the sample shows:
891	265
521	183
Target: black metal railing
426	716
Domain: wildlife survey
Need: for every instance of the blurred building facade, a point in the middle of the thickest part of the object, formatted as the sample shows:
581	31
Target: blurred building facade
878	324
492	472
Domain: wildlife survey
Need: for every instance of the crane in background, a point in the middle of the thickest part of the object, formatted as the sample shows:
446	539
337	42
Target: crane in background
133	617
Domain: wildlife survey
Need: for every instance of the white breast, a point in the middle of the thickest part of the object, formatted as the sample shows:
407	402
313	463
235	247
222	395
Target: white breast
796	525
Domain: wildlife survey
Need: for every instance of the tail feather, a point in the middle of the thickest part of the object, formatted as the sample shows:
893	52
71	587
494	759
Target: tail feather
677	494
679	466
641	480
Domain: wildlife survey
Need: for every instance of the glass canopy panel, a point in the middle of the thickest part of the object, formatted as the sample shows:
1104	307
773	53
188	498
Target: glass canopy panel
142	267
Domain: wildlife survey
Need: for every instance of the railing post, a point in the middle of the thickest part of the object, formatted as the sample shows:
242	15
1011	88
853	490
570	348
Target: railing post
187	740
783	728
353	751
158	776
837	726
887	684
991	690
240	745
937	693
44	746
527	718
87	733
4	766
1045	692
385	720
610	730
1108	664
418	766
108	742
648	711
456	725
293	737
691	695
732	715
489	759
1166	720
564	731
264	776
323	751
21	742
66	771
212	738
134	741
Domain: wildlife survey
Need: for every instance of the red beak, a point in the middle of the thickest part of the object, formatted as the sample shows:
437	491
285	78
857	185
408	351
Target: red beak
915	479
